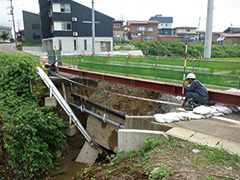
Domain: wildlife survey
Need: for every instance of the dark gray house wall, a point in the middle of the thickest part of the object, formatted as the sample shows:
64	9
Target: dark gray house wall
103	29
32	28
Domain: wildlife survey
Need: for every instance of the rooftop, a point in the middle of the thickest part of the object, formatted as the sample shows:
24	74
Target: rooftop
132	22
185	27
162	19
118	21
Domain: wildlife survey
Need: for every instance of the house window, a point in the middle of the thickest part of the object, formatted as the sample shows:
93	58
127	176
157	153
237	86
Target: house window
62	26
141	28
150	29
75	44
65	8
117	25
165	32
188	30
36	36
166	25
148	38
85	44
134	34
36	26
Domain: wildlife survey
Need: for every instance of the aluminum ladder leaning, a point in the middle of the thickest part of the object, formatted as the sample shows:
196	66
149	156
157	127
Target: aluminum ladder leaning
72	117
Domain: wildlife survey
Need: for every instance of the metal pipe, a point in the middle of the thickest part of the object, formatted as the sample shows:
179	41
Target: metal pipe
99	106
98	116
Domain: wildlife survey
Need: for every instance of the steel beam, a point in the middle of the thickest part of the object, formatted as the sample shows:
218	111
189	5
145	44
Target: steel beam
217	96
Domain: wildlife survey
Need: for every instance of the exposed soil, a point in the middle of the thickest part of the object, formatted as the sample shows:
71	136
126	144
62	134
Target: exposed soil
168	162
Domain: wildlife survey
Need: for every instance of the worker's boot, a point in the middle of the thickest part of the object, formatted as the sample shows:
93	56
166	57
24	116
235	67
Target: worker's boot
192	105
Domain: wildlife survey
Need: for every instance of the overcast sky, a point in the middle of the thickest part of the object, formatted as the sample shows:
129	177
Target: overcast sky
184	12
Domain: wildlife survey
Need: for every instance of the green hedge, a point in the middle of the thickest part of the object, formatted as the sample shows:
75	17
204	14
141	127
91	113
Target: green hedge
177	49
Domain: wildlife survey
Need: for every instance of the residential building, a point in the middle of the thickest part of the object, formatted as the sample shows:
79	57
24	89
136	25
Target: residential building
190	32
142	30
118	30
165	24
66	25
7	29
21	36
229	39
232	30
169	38
32	28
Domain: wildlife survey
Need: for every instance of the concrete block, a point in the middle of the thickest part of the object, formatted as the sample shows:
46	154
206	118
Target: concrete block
71	130
88	154
161	126
180	133
138	122
231	146
133	139
104	134
50	101
204	139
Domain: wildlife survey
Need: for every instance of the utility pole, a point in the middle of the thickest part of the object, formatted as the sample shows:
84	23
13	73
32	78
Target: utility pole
93	29
198	27
11	13
208	36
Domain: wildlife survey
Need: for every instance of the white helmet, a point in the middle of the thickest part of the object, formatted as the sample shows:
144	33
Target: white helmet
191	76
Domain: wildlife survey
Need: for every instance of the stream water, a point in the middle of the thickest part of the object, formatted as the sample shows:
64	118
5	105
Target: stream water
68	169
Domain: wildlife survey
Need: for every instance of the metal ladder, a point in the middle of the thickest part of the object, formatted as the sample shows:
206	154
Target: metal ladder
72	117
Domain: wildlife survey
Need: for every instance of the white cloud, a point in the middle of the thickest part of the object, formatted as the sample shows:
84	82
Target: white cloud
184	12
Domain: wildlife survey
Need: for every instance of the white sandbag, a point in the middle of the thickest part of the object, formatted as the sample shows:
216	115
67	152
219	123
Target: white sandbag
159	118
223	109
181	109
171	117
233	108
213	112
203	110
192	115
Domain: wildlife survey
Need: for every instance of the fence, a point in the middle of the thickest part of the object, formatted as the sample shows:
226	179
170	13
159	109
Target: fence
214	73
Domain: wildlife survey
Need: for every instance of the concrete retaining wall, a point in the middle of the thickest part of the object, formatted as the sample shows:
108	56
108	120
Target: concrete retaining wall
133	139
146	123
32	48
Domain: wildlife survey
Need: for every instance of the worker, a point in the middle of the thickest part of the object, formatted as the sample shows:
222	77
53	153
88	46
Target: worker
196	92
53	71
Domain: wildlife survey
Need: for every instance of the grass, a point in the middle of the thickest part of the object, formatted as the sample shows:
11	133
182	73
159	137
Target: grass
168	70
162	159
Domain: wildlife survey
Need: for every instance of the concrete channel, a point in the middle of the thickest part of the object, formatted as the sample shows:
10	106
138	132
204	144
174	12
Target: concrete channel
136	116
107	134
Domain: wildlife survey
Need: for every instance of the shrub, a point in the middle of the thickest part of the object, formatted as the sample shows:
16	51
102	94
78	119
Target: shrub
32	133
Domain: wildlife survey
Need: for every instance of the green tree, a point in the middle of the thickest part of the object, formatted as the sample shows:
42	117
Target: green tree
4	35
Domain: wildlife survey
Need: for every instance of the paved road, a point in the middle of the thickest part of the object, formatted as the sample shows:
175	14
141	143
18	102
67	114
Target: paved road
9	47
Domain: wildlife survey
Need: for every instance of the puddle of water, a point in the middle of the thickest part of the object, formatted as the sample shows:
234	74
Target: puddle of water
70	169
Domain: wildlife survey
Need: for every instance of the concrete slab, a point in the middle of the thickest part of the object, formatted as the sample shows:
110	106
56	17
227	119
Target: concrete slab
180	133
71	130
232	147
50	101
88	154
133	139
204	139
213	127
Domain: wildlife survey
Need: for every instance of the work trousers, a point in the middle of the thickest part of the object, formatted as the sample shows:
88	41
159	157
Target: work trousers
196	97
